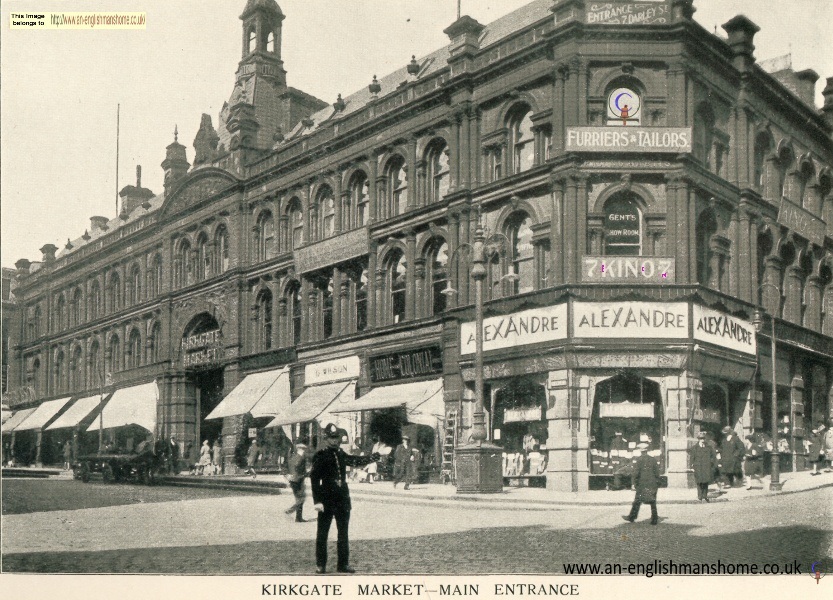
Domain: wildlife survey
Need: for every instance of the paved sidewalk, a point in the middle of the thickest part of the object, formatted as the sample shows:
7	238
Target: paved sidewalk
516	497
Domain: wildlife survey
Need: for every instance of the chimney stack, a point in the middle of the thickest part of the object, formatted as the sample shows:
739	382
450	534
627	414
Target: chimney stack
827	109
741	32
807	86
23	266
48	251
133	196
98	224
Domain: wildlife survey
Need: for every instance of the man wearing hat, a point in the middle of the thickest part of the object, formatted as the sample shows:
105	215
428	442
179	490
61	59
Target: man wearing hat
332	498
297	472
404	463
754	460
646	482
731	456
703	463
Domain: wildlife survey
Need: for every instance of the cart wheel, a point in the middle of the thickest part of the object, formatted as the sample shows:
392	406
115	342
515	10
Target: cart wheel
107	473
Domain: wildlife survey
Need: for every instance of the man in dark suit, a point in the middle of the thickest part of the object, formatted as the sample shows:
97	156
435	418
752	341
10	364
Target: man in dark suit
331	497
703	462
296	475
403	459
731	457
646	482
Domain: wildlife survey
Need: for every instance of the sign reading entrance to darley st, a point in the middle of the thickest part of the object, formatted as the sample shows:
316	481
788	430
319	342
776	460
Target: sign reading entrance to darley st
804	223
655	320
630	269
617	12
518	329
674	140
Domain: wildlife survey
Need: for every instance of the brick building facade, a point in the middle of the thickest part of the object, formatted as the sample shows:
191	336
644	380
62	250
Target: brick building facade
644	187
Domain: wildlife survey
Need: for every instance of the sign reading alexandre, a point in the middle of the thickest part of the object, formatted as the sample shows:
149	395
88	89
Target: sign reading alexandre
724	330
518	329
617	12
202	348
406	364
803	222
675	140
626	410
630	320
633	269
338	369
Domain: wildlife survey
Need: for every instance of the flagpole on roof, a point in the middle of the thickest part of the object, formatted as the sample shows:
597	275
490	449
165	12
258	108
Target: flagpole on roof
118	110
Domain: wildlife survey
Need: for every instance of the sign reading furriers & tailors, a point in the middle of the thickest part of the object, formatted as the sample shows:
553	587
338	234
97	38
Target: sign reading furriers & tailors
655	320
632	269
338	369
674	140
724	330
518	329
619	12
407	364
202	348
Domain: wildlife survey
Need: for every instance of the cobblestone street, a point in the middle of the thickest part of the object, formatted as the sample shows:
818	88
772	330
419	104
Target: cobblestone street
135	529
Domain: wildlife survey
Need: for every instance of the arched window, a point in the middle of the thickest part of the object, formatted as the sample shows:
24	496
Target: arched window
182	263
154	343
706	228
265	236
396	283
134	285
270	42
437	263
296	311
397	181
623	226
134	350
95	376
359	198
60	371
521	139
77	307
252	41
702	147
519	231
438	167
806	175
203	257
296	222
95	300
36	323
221	250
263	320
60	313
77	370
115	292
361	301
36	375
114	358
763	147
327	293
155	280
327	207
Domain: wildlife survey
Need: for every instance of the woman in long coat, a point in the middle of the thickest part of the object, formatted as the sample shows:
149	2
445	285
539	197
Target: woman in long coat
731	455
251	459
217	458
205	457
703	462
815	449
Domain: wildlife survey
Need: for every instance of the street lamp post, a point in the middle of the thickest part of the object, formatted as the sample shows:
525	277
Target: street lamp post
775	463
479	468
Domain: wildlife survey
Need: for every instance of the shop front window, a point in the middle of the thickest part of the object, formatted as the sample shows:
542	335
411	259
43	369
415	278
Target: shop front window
518	424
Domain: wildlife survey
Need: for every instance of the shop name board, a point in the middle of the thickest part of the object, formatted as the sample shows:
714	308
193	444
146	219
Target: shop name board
707	415
522	415
803	222
519	329
332	250
630	269
626	410
18	396
202	348
407	364
675	140
724	330
338	369
630	320
616	12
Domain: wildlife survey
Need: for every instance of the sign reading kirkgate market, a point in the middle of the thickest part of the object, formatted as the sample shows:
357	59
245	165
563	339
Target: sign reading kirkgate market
724	330
674	140
202	348
617	12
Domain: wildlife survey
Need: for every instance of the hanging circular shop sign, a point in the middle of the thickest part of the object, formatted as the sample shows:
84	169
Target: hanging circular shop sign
623	105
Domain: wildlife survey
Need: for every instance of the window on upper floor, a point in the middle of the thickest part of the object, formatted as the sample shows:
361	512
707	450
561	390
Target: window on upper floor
296	310
203	257
114	358
264	236
252	40
76	373
134	285
182	268
296	222
705	229
114	292
61	313
36	376
518	229
60	371
327	299
361	301
95	308
622	228
437	160
221	249
397	285
521	138
95	377
763	148
702	147
263	321
77	307
397	185
496	163
134	350
436	261
359	213
155	343
270	42
327	207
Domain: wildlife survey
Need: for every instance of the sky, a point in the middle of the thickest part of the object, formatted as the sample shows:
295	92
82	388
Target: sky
59	89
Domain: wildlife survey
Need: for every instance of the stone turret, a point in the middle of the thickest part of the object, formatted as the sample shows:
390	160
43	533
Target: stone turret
133	196
175	163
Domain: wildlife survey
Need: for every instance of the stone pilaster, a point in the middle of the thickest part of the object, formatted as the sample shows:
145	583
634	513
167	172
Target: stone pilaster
568	416
683	396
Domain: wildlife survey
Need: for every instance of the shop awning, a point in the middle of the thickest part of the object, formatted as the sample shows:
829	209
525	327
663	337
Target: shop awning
423	401
42	415
314	401
130	406
77	412
16	419
261	394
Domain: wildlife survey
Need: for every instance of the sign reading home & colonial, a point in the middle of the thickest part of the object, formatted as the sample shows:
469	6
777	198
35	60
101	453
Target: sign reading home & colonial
724	330
630	320
407	364
518	329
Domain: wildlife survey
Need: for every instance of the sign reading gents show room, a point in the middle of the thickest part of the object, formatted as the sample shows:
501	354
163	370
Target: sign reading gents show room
630	319
518	329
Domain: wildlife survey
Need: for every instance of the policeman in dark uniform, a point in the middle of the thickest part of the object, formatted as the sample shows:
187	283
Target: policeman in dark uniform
331	497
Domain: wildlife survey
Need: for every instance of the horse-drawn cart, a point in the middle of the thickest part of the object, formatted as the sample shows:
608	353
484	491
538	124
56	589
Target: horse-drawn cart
137	467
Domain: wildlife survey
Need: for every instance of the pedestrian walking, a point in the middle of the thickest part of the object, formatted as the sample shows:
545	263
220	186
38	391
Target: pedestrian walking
251	459
297	474
828	449
331	497
217	457
205	458
191	458
173	457
67	455
815	449
403	463
703	463
753	464
730	458
646	482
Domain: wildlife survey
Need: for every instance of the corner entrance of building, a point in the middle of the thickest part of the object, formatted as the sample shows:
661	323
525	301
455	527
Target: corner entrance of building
202	355
209	391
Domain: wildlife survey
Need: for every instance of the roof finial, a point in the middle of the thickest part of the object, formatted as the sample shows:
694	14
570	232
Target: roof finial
459	2
176	134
